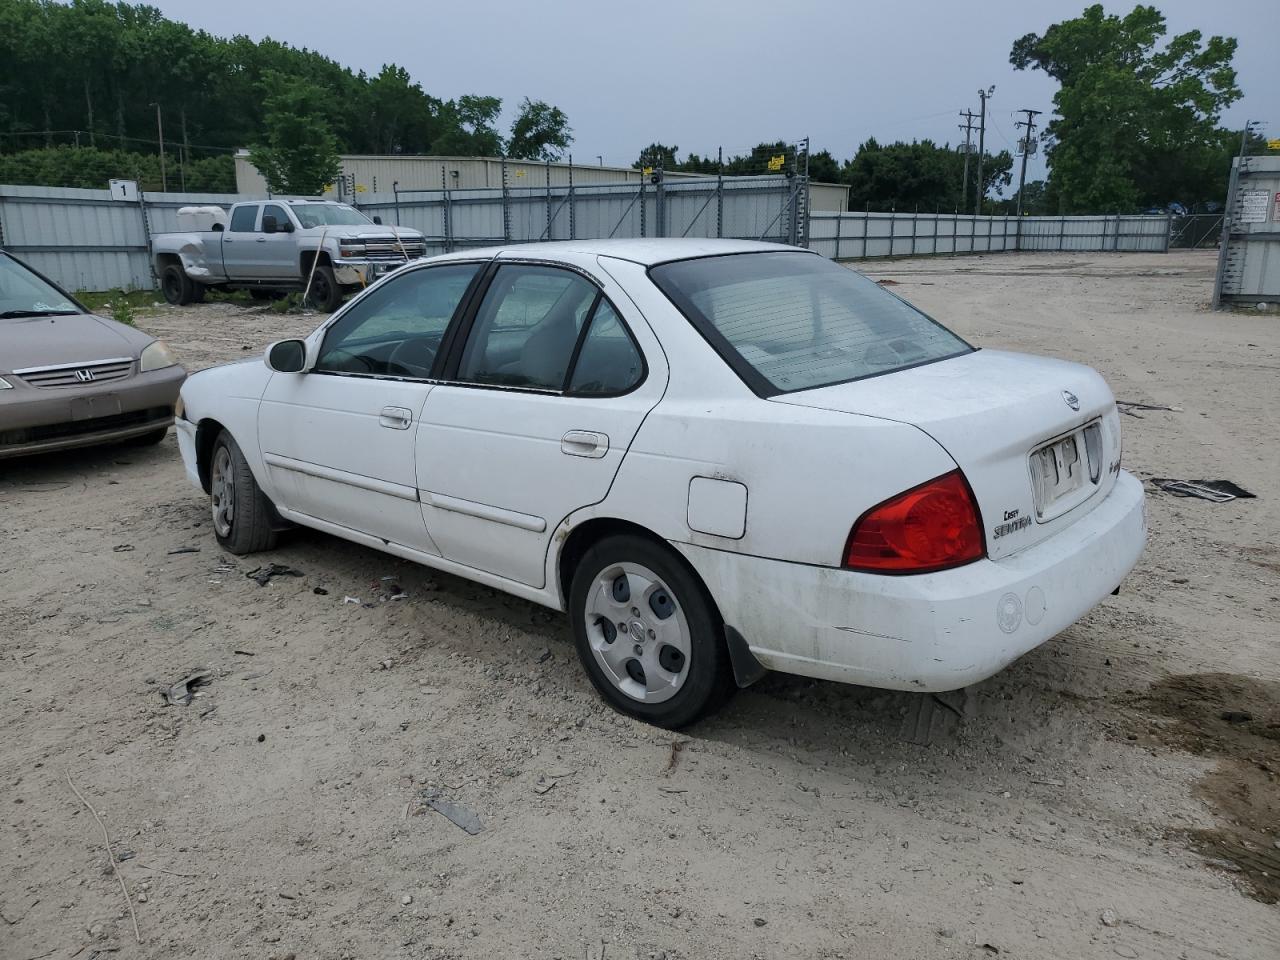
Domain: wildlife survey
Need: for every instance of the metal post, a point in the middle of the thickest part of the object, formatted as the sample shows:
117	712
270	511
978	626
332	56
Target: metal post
893	223
448	227
1062	232
164	180
1168	230
506	203
548	169
839	223
573	226
933	252
720	192
914	218
660	204
146	234
643	204
395	190
866	229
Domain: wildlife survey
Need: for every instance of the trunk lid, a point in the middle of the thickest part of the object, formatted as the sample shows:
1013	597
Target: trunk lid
1038	439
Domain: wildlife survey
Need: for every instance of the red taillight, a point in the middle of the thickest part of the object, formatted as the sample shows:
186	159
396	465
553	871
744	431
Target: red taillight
930	527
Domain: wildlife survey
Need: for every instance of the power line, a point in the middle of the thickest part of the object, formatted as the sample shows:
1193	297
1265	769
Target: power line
109	136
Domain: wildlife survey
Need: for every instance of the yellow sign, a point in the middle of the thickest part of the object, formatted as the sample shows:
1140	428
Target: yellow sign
360	188
519	173
647	170
1273	144
775	163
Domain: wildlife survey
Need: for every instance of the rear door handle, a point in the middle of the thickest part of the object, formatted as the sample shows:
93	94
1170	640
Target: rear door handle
584	443
395	418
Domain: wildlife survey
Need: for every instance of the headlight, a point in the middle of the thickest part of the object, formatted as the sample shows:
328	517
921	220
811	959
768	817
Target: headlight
156	356
5	384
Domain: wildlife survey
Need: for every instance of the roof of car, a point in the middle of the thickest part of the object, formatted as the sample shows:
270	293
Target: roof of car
648	252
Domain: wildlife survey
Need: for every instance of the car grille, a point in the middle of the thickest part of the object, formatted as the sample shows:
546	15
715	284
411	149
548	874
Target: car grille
77	374
391	250
75	428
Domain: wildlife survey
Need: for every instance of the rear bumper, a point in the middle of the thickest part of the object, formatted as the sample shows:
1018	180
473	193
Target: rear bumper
36	421
933	632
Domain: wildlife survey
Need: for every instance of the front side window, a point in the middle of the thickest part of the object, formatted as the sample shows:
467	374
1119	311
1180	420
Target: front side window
277	211
396	330
795	321
527	327
244	218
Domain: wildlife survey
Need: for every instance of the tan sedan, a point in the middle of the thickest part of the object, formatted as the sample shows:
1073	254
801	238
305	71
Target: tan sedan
69	378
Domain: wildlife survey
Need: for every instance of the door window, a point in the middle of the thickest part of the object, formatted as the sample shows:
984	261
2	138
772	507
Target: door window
396	330
244	218
277	211
527	327
608	363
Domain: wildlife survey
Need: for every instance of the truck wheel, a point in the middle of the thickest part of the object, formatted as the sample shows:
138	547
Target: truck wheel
325	292
176	285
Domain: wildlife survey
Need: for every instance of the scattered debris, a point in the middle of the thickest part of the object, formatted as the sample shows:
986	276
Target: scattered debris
1109	918
244	653
673	789
888	283
106	839
1216	491
990	948
544	655
124	855
264	575
122	548
320	592
355	600
759	921
676	747
179	550
179	694
460	816
406	900
1128	406
262	738
1236	716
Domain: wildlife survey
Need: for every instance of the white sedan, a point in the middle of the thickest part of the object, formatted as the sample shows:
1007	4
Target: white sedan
718	457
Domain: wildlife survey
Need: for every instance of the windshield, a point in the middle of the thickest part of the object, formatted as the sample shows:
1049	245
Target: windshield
795	321
23	294
329	214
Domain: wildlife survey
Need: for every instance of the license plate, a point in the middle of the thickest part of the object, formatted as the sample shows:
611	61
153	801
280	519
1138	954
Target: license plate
1062	472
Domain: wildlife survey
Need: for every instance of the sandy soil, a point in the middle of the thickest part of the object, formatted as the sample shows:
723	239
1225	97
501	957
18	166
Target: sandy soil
1093	802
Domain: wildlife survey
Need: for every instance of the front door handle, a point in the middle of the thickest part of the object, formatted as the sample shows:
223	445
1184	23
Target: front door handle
584	443
395	418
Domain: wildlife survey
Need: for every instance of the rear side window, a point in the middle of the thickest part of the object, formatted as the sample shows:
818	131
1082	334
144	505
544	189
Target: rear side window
795	321
527	327
608	362
244	218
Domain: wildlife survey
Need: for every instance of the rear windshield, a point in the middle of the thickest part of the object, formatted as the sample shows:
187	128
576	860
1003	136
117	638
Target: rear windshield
795	321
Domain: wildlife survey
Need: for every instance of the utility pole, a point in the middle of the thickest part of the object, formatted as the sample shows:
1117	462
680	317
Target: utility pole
1027	146
164	180
982	146
967	127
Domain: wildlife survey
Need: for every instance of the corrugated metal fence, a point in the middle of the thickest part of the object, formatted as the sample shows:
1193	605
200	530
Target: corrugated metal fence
857	236
85	240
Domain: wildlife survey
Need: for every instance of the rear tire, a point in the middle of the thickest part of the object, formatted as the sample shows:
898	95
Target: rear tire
241	511
325	293
648	633
177	286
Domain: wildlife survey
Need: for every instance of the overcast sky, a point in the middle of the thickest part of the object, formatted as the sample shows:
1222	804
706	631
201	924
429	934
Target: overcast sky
700	75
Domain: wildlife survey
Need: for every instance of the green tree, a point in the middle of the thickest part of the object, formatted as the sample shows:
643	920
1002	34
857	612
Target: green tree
470	129
918	175
540	132
300	152
657	155
1137	122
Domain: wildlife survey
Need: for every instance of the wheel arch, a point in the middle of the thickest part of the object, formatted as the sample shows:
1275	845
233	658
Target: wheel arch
207	431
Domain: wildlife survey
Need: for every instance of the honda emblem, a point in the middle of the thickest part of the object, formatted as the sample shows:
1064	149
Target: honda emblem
84	376
1072	400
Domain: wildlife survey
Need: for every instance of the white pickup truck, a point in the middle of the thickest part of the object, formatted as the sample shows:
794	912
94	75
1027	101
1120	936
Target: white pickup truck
321	246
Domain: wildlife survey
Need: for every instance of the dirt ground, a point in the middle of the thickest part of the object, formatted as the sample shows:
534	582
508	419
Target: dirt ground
1113	793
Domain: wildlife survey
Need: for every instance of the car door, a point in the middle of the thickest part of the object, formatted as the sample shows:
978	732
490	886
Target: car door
548	385
338	439
238	241
277	252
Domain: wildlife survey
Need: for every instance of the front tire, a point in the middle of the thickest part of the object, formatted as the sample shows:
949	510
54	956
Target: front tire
325	292
647	632
241	511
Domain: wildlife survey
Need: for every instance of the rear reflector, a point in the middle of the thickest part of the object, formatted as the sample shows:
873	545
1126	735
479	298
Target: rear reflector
930	527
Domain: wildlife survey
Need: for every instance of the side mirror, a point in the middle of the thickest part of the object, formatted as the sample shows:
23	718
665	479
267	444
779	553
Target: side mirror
268	223
378	221
287	356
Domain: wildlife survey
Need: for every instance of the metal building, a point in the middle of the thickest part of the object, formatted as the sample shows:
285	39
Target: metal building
386	174
1249	254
